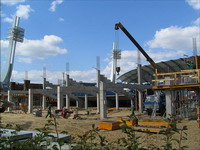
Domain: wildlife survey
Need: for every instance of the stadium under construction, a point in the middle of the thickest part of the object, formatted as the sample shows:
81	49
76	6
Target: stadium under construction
178	80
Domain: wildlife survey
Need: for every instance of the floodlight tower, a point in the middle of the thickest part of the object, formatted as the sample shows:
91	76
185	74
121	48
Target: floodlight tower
116	55
16	35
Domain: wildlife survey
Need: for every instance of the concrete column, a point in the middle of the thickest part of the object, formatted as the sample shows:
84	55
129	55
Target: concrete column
67	101
9	98
103	101
59	98
140	101
117	100
77	103
98	103
86	102
98	94
30	101
44	97
139	71
44	104
67	96
168	97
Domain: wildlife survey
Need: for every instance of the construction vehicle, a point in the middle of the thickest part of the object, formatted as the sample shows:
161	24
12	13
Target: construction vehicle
119	25
155	104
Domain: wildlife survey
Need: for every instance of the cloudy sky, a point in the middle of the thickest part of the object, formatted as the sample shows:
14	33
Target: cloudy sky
58	32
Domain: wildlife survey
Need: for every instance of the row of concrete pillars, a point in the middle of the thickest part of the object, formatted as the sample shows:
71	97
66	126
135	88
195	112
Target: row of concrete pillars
60	101
101	101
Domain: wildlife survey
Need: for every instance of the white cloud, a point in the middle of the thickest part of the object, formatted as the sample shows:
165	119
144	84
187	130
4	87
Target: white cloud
34	75
40	49
8	19
61	19
36	49
23	11
85	76
53	76
194	3
197	22
12	2
175	38
25	60
54	5
2	14
4	46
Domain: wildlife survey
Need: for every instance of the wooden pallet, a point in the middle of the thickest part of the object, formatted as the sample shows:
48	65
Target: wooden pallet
109	125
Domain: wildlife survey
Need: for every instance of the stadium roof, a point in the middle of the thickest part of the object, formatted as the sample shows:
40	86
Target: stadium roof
148	71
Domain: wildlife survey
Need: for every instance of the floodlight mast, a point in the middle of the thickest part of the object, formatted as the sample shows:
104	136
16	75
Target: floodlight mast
16	35
119	25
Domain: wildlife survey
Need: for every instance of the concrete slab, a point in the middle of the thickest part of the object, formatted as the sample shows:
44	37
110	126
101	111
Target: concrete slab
22	135
13	135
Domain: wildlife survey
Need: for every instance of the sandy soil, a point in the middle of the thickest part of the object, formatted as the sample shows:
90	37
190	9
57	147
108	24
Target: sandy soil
79	126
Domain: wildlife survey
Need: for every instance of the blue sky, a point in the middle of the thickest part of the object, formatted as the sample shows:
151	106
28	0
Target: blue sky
77	31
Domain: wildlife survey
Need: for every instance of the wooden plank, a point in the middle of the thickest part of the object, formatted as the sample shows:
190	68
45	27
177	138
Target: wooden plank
154	124
164	79
142	129
176	86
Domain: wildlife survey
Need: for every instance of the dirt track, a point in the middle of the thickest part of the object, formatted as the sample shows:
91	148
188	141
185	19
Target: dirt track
79	127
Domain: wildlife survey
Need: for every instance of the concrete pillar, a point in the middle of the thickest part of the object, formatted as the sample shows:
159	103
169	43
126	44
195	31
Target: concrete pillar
168	97
117	101
77	103
103	101
30	101
140	99
59	98
67	101
139	71
98	103
44	104
86	102
67	96
98	94
44	97
9	98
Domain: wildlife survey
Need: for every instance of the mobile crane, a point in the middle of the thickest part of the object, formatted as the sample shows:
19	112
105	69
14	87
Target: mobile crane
151	99
119	25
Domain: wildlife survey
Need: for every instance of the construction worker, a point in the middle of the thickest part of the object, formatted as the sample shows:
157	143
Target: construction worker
49	111
64	112
191	65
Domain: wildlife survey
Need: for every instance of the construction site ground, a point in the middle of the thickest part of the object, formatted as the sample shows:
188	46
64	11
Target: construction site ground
84	122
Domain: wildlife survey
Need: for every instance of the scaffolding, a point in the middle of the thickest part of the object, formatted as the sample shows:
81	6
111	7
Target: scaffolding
184	87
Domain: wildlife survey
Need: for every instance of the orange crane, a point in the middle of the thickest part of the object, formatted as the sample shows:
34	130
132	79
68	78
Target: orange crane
119	25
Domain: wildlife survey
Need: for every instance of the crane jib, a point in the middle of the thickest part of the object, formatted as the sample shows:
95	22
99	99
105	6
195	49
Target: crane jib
119	25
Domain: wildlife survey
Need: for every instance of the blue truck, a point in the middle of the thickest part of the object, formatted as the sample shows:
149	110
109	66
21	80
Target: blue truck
156	102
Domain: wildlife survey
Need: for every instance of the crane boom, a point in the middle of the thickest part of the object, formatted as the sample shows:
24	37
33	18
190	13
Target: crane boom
119	25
